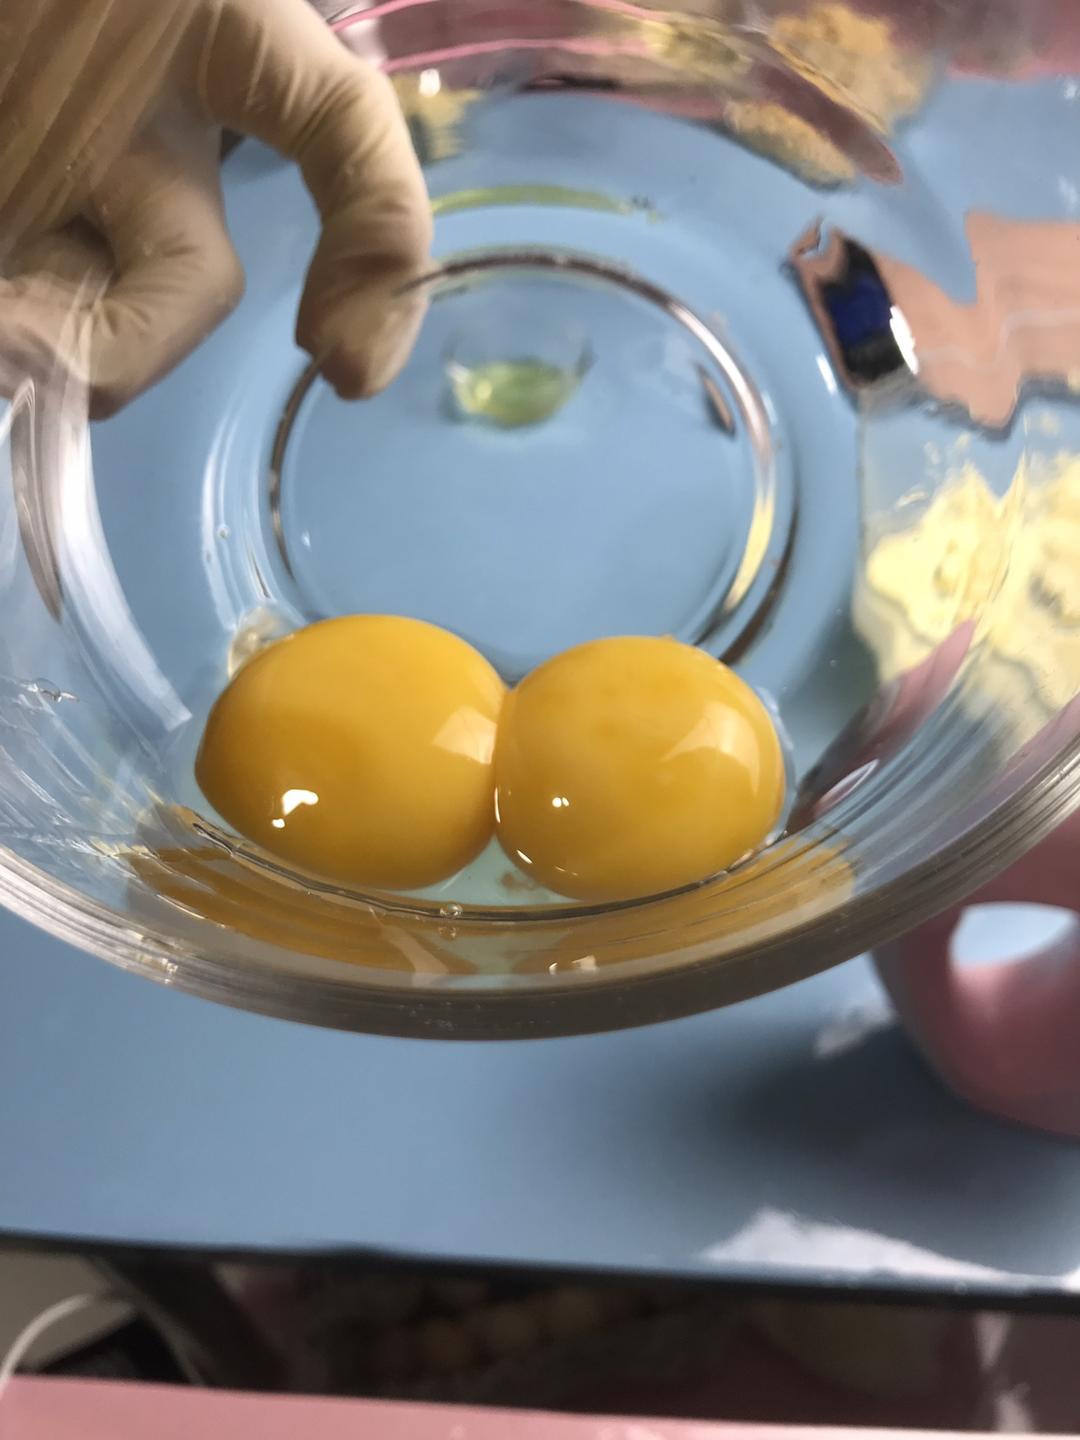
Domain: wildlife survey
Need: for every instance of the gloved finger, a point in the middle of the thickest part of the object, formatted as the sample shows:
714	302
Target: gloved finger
176	275
47	295
338	117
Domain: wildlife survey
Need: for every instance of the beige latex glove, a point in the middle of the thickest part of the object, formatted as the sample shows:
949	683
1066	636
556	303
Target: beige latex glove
114	257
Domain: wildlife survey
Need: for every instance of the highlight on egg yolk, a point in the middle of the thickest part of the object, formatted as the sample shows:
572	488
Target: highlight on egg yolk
359	749
631	766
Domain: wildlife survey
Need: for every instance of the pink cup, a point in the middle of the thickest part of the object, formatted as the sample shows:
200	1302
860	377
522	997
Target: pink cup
1006	1036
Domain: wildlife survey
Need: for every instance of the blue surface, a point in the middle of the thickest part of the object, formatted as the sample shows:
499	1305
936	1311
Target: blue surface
796	1137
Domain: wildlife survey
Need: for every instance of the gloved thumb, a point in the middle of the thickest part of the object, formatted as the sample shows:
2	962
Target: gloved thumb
339	119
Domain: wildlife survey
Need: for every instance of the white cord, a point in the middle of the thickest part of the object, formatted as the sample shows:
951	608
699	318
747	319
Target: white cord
31	1333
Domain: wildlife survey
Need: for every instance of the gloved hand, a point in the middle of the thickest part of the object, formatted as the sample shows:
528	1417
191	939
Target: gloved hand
114	257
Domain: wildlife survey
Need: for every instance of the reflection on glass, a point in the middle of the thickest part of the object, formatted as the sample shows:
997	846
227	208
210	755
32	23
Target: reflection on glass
517	363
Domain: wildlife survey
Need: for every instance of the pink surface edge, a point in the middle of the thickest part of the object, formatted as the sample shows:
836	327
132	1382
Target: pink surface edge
55	1409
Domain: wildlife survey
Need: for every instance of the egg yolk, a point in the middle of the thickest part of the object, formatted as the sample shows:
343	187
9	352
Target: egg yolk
630	766
359	749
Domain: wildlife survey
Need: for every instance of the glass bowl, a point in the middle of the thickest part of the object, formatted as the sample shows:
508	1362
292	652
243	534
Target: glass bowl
794	282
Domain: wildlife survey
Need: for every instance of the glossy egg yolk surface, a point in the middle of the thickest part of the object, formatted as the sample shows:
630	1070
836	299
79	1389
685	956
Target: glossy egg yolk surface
360	750
630	766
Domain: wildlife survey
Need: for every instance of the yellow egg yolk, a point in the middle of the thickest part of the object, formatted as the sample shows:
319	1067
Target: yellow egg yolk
630	766
360	750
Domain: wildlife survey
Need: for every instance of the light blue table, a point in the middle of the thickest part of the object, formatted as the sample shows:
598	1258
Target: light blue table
796	1138
792	1139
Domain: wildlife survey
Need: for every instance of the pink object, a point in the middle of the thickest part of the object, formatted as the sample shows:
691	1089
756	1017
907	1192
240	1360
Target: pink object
1006	1036
37	1409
